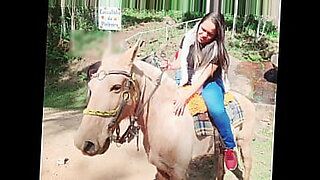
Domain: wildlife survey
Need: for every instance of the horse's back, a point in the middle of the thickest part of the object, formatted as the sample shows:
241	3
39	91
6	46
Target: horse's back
247	107
249	113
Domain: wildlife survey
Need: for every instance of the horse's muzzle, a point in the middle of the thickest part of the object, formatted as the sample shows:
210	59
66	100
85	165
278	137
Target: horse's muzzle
91	149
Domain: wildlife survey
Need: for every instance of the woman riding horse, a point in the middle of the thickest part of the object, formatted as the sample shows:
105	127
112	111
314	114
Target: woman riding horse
203	62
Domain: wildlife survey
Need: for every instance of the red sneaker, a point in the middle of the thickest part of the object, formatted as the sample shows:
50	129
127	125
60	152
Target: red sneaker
230	159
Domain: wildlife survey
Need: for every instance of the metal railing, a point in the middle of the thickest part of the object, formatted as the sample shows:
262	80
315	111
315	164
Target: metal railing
166	29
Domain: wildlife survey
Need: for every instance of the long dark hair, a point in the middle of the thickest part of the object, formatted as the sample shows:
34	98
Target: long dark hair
215	50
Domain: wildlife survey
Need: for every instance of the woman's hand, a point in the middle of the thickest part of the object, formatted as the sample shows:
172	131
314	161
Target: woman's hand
180	103
164	64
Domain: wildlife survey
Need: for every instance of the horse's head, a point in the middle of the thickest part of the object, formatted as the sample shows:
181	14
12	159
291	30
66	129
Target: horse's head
113	96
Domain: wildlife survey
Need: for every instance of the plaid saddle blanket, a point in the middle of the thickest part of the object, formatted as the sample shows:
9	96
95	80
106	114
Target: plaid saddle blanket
202	123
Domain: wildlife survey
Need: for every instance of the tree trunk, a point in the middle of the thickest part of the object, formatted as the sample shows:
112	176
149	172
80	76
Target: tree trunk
63	20
235	14
96	7
73	8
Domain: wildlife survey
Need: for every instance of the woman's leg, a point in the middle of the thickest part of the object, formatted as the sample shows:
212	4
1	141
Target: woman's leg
213	95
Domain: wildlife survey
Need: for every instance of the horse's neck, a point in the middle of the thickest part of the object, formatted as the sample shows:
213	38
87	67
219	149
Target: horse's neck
148	76
151	74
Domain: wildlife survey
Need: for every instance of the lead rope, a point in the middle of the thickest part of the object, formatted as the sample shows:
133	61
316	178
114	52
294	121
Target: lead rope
133	131
140	108
158	82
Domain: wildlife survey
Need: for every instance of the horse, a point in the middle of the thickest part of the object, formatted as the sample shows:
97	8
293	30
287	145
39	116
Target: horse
124	88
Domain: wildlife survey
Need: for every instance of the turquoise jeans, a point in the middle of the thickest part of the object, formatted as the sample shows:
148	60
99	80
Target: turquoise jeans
213	95
178	76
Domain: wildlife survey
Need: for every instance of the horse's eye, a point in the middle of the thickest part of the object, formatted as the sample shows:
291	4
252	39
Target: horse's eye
116	88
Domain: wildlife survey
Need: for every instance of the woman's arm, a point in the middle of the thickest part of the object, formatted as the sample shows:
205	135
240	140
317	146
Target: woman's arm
174	65
186	94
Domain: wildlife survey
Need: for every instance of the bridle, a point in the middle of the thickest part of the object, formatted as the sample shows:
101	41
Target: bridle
129	84
130	91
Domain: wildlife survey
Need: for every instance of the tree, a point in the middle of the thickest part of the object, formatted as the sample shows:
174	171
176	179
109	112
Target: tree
63	20
235	14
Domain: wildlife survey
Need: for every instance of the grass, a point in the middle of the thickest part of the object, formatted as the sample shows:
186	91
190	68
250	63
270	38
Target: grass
262	157
65	95
262	153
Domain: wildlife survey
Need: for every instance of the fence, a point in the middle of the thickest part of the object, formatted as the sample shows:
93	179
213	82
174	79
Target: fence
167	38
166	29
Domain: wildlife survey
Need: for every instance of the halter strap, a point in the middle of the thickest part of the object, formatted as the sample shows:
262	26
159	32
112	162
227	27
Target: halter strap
102	74
111	113
132	130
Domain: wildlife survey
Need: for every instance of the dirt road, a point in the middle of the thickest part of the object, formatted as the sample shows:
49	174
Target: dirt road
61	160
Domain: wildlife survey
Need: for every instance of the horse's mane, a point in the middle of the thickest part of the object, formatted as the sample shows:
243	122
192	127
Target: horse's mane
153	73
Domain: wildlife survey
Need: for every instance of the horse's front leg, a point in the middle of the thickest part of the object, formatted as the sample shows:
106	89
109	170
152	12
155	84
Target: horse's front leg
220	167
238	173
161	175
246	155
175	175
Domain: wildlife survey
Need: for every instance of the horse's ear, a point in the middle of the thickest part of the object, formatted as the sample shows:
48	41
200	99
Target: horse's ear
133	51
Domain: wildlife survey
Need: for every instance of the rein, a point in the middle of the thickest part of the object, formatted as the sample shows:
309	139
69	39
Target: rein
132	130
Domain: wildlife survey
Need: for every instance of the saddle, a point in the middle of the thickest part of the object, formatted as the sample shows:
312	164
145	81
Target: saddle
203	125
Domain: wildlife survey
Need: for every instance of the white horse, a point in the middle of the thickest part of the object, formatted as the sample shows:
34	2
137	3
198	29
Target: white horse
124	88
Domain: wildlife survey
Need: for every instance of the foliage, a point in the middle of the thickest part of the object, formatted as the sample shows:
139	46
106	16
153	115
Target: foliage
192	15
132	17
250	48
165	5
59	42
249	45
57	55
65	94
247	24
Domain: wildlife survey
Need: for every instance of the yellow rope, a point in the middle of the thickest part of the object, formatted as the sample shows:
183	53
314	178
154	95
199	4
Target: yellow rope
100	113
111	113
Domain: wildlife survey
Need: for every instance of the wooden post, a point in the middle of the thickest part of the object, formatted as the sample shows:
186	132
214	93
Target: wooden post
186	27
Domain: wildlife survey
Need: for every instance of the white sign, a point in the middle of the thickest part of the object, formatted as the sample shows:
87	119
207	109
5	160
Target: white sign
110	18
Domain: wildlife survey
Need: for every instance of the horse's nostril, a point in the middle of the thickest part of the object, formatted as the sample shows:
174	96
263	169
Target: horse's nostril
88	147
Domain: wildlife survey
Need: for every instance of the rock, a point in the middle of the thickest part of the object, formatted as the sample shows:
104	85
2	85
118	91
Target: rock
271	75
62	161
